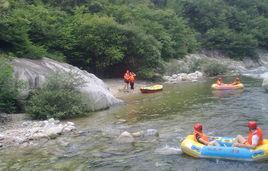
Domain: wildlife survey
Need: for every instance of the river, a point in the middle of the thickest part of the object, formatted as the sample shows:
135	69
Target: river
171	112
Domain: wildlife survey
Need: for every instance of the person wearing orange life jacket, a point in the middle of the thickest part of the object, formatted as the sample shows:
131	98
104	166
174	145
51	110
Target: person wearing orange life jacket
237	81
201	137
132	76
255	137
126	79
219	81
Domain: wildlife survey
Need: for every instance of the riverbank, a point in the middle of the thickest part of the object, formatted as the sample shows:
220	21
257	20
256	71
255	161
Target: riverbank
116	86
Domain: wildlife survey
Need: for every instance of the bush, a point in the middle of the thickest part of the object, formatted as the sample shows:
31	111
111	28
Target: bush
149	74
214	69
57	99
55	104
8	88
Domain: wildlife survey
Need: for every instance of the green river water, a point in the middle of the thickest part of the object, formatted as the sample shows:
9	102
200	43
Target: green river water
171	112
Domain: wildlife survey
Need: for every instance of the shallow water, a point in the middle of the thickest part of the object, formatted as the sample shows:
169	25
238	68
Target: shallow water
172	112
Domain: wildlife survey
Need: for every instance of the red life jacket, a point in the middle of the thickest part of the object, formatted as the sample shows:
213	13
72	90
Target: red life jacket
257	132
201	135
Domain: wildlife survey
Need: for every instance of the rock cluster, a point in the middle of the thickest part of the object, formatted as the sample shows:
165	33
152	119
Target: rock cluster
127	137
35	130
175	78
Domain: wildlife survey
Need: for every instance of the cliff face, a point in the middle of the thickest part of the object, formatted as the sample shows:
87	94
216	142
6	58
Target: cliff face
35	72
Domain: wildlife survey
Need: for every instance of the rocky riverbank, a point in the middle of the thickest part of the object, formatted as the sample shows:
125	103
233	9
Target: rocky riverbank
30	131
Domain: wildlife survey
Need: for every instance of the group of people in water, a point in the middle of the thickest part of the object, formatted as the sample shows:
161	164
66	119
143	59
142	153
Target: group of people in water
254	139
129	79
235	82
255	135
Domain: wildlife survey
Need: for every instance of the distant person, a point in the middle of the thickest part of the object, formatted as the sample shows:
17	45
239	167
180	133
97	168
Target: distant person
219	81
132	76
201	137
255	137
236	81
126	79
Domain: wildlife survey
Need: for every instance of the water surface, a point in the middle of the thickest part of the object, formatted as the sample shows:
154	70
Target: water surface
172	112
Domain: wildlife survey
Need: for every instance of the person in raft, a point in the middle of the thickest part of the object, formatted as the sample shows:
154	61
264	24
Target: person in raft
201	137
132	76
219	81
126	79
255	137
236	81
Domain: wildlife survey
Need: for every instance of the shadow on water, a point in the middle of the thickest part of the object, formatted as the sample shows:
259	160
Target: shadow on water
172	112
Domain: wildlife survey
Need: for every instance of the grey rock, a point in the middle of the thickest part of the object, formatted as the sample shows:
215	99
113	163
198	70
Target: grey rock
125	137
35	72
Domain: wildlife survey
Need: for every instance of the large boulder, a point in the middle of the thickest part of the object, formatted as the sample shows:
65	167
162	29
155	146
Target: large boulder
35	72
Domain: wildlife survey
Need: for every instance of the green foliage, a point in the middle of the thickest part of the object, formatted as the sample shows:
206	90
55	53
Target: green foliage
214	69
8	87
149	74
98	35
233	27
57	99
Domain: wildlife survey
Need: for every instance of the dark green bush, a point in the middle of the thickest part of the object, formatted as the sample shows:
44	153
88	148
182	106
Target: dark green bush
61	104
214	69
8	88
57	99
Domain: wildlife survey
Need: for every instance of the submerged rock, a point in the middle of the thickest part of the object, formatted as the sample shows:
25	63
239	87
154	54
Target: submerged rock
35	72
168	150
125	137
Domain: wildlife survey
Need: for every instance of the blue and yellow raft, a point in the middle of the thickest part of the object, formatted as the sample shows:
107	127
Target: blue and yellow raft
224	151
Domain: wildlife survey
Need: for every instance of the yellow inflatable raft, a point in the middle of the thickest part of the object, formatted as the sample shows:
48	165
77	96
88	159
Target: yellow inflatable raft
151	89
225	150
227	86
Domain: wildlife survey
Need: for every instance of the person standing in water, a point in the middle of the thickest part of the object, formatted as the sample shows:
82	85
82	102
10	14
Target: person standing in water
126	79
132	76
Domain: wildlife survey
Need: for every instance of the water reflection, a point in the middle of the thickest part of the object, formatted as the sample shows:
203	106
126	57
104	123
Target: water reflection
227	93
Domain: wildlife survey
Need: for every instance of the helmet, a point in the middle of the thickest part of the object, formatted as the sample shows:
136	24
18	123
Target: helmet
252	124
198	127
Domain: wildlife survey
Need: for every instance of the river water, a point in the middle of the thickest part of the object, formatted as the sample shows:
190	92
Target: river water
171	112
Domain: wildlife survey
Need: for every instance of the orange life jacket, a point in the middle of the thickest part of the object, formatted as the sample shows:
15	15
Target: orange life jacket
201	135
126	76
236	82
257	132
132	77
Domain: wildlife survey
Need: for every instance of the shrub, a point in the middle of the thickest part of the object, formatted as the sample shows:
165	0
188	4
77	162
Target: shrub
57	99
214	69
55	104
8	87
149	74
